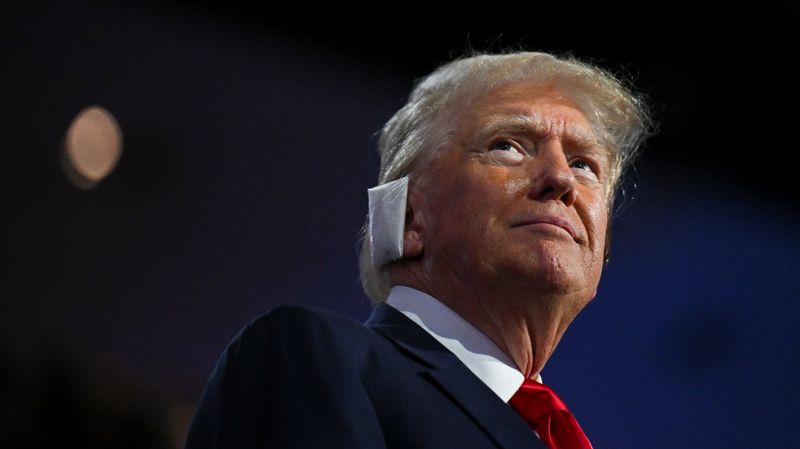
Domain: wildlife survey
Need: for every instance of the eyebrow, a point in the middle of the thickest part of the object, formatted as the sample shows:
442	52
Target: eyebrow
533	124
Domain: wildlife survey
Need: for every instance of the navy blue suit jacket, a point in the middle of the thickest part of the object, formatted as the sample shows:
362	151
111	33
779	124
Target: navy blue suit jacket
299	377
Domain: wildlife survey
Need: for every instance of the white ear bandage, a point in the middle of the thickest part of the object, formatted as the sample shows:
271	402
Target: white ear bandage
387	217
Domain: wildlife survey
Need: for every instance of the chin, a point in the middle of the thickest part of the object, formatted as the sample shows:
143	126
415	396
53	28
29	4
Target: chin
549	271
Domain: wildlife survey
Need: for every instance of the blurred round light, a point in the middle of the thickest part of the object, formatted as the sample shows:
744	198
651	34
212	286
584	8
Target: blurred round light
92	147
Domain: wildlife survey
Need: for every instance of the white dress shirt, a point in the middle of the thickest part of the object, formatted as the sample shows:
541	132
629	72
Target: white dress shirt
473	348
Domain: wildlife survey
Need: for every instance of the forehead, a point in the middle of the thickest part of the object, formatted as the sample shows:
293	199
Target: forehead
525	107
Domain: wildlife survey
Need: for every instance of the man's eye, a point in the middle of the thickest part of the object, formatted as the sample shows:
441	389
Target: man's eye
503	145
582	165
584	169
506	152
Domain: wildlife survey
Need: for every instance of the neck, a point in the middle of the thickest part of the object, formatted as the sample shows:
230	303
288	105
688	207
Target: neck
526	324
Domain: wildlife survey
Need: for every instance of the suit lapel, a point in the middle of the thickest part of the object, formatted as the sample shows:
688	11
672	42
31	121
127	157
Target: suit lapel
496	418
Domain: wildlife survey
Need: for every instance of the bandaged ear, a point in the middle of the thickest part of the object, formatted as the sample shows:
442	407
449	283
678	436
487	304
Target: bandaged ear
387	216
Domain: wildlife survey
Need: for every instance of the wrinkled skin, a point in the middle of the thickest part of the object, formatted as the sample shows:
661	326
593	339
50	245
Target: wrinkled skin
506	226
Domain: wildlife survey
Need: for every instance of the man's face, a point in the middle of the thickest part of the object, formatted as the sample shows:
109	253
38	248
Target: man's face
517	198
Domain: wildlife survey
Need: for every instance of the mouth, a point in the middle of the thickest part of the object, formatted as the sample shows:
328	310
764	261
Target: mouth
549	222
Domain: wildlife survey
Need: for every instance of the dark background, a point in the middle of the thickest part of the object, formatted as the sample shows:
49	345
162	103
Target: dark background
248	149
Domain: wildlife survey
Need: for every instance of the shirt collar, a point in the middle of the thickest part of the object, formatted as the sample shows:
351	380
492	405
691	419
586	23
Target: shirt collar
475	350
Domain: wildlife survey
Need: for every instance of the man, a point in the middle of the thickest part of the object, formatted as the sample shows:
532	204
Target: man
486	236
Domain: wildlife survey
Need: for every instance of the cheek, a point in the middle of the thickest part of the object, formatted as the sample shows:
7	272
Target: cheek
476	209
596	226
487	191
513	186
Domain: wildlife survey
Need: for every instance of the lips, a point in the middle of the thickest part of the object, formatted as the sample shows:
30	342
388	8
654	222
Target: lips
549	220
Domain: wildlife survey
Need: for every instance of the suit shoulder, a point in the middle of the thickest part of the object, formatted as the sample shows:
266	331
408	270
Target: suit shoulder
305	327
305	317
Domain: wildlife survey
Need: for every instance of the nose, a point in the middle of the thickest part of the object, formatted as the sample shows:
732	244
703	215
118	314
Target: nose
551	176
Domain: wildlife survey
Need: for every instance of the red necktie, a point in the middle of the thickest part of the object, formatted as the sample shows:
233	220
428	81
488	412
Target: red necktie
548	416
